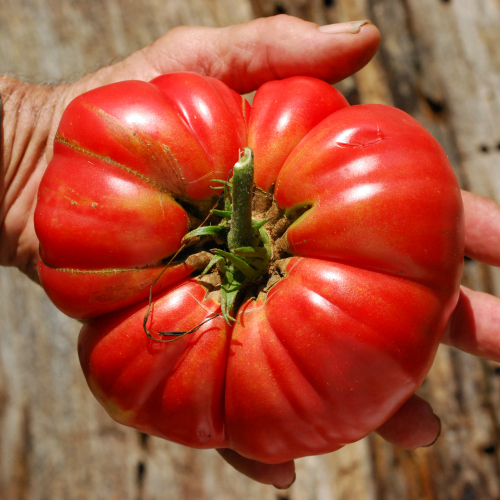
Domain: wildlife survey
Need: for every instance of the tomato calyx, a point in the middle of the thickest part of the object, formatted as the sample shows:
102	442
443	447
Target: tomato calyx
251	254
248	245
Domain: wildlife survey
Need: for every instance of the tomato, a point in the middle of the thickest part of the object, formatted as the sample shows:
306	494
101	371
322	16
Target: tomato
346	281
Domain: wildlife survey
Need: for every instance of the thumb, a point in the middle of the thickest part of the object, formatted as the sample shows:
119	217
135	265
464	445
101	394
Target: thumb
245	56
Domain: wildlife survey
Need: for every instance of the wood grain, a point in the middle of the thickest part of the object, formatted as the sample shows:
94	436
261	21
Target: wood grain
439	61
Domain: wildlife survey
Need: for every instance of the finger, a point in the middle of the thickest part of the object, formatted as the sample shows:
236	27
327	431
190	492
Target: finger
281	476
474	325
482	228
247	55
414	425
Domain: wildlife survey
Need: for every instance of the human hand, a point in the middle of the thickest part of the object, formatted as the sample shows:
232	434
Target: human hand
244	57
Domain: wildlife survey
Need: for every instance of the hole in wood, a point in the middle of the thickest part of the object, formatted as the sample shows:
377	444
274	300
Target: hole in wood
436	106
144	439
141	471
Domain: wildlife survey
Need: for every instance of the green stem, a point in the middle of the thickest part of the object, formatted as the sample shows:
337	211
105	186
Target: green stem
241	233
248	243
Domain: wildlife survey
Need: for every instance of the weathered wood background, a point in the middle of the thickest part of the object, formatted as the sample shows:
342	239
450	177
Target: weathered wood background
439	61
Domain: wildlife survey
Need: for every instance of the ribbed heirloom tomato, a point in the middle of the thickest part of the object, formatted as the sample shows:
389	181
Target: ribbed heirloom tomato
301	306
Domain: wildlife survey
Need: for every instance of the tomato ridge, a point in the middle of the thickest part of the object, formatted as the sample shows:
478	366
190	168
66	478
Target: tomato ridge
110	161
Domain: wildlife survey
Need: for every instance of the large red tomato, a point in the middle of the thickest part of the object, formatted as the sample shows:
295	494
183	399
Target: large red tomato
338	327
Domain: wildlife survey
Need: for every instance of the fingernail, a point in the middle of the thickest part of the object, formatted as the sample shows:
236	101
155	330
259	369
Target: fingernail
351	27
284	487
438	434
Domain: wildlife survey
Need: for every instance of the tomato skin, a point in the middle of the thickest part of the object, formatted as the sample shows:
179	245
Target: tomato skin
333	349
277	125
115	223
172	390
98	292
336	346
380	220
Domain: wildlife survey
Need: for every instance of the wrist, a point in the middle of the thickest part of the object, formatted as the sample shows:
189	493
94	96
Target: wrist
29	118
